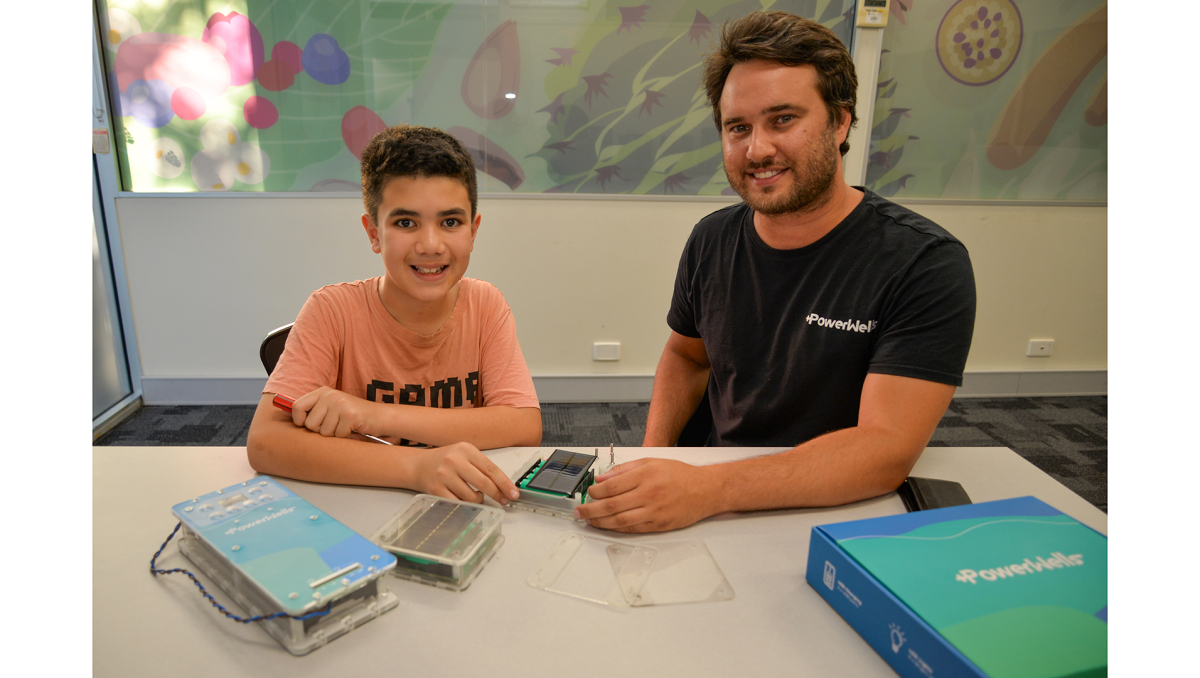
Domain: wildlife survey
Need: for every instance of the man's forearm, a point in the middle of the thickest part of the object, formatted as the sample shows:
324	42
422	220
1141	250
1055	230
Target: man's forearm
837	468
896	417
679	385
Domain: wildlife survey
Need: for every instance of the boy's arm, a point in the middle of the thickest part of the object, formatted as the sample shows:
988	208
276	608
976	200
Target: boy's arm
331	412
277	446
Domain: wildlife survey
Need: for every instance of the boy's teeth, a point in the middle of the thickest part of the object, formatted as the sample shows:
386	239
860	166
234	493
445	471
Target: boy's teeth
428	270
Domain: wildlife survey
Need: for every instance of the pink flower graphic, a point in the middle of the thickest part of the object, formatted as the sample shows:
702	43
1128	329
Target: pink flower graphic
677	180
632	17
607	173
564	56
701	27
595	85
554	108
652	98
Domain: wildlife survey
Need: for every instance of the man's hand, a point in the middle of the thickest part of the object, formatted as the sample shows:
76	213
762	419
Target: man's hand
334	413
457	471
649	495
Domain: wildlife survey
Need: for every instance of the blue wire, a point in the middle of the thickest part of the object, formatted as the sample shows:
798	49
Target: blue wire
245	620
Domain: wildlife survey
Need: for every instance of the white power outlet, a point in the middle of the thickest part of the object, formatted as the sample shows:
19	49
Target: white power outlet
606	350
1040	348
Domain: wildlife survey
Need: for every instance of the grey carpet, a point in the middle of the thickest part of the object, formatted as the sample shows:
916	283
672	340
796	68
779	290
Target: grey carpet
1066	437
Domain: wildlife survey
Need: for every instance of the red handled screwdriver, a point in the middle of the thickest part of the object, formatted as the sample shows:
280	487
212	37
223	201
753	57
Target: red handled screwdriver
285	403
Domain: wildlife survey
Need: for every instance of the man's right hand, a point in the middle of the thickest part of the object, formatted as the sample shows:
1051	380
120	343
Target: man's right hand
461	471
652	495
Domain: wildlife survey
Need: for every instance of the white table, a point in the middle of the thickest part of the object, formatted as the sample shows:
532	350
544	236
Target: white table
775	625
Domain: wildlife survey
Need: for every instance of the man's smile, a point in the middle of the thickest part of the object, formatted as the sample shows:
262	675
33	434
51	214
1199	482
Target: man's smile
766	174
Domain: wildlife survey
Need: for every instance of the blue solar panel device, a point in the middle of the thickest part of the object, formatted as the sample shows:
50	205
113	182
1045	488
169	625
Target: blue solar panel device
305	577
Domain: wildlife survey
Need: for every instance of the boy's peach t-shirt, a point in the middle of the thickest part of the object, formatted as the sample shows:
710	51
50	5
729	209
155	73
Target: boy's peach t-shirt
345	338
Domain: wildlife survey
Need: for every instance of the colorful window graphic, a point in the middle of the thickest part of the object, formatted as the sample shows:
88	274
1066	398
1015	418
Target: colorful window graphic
992	99
551	96
982	99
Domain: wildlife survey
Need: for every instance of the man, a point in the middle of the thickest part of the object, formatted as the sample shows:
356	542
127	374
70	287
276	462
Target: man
817	315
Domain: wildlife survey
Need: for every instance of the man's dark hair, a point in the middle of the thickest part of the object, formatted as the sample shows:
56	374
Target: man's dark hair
789	40
412	151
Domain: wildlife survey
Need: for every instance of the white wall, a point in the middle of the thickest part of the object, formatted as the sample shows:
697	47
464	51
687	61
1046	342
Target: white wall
209	276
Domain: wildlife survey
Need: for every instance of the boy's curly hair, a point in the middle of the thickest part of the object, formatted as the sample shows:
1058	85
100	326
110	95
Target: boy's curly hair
413	151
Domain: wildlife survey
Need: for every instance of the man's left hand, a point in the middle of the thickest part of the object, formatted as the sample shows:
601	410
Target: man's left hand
649	495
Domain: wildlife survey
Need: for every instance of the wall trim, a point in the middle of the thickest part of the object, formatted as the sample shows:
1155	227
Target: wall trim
202	390
615	388
594	388
1034	383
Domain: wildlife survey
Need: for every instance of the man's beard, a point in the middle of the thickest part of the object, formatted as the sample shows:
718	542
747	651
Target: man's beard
811	182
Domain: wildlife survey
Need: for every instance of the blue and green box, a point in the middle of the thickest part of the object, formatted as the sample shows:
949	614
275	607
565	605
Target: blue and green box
999	589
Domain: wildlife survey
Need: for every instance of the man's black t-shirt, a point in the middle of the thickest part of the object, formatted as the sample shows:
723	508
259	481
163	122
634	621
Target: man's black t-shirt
792	334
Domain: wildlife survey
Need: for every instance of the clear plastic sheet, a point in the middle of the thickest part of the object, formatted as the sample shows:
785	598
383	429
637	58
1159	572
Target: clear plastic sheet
625	575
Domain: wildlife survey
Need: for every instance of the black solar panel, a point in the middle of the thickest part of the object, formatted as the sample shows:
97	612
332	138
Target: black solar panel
562	472
436	531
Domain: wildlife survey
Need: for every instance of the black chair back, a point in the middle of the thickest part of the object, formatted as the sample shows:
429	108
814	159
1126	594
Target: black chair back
272	347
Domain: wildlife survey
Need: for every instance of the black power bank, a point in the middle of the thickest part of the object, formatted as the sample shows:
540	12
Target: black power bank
919	494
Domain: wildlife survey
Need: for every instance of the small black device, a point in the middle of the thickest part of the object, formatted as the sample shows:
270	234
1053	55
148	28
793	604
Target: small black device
919	494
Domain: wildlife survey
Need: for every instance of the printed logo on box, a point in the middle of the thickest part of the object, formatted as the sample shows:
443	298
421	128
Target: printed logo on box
1056	560
897	638
830	574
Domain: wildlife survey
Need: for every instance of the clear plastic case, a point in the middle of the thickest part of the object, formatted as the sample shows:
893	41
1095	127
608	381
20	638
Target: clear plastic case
595	569
441	542
683	572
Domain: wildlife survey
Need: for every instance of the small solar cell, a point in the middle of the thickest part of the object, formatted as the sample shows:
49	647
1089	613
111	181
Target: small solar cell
436	530
562	472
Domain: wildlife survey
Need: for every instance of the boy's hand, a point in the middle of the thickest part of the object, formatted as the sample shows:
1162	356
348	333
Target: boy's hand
452	471
333	413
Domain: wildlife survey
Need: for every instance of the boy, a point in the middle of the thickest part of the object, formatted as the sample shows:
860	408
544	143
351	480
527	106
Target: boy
420	335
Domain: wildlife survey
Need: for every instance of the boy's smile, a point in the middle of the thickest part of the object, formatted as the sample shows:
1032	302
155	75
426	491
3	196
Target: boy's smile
425	233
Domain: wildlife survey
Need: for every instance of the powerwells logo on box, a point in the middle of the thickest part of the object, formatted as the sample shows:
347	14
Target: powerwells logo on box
260	521
1055	561
847	325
